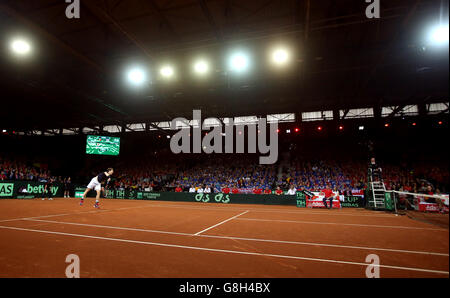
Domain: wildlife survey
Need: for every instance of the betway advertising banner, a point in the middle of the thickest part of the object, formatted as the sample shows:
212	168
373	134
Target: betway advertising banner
315	200
27	189
424	206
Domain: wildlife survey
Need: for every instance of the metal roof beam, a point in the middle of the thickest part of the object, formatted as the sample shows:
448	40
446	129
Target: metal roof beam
210	19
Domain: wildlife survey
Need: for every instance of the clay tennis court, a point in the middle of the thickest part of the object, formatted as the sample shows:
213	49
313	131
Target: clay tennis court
174	239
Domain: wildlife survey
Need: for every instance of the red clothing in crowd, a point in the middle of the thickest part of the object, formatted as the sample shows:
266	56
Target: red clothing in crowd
178	189
279	192
226	190
235	191
267	191
257	191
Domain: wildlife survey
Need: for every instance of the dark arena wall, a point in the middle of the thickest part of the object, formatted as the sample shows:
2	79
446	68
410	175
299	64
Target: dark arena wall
399	144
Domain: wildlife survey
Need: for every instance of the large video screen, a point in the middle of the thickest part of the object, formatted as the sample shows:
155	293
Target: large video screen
102	145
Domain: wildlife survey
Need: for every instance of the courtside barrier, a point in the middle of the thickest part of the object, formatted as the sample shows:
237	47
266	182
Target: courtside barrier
208	198
31	189
298	200
27	189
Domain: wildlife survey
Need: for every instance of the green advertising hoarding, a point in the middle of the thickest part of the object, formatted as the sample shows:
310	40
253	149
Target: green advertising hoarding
30	189
27	189
6	190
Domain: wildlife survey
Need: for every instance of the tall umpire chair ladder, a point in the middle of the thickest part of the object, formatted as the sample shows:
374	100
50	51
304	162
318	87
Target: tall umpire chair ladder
378	190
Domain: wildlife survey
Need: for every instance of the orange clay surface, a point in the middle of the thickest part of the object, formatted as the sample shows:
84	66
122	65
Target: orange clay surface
173	239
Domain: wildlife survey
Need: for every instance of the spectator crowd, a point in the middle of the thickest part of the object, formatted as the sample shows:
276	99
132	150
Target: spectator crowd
241	174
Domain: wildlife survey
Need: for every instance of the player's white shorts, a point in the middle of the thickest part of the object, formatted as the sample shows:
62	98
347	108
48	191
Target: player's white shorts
94	184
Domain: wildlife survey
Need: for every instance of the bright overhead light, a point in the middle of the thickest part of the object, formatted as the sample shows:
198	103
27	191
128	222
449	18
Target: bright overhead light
239	62
136	76
201	67
280	56
167	71
439	35
20	47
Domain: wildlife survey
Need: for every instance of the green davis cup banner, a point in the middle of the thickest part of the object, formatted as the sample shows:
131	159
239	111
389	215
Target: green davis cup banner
27	189
6	190
204	198
298	200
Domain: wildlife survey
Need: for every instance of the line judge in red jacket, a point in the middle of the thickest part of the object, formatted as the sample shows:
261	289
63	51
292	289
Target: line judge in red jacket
179	189
328	195
257	191
226	189
278	192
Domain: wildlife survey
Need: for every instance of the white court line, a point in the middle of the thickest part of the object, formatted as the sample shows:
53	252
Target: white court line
222	222
228	207
219	208
228	251
66	214
225	208
341	224
245	239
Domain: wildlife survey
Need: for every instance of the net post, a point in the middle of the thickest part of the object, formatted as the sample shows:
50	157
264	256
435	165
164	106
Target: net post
394	201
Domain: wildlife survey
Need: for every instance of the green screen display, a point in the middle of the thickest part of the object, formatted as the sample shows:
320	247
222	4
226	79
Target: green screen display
102	145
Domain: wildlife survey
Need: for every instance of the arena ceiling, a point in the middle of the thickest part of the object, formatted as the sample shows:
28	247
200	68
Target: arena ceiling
342	59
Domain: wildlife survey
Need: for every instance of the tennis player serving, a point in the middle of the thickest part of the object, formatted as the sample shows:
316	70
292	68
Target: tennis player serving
96	184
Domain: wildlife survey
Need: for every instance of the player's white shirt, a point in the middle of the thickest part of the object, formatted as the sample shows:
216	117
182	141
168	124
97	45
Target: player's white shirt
200	190
207	190
192	189
291	191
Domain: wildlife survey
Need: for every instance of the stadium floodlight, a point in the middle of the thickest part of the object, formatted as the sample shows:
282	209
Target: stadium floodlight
280	56
439	35
167	71
201	67
20	47
239	62
136	76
